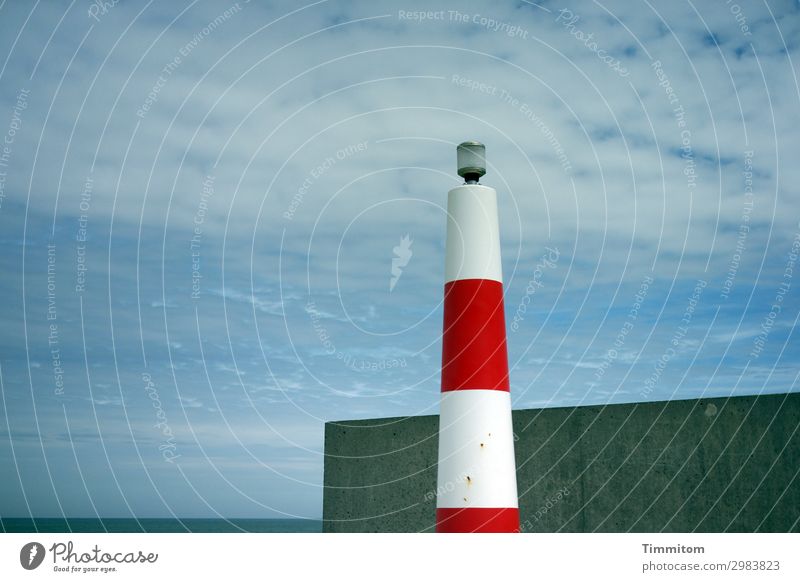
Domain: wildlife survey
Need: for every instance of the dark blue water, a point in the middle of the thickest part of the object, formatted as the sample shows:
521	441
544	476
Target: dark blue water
157	525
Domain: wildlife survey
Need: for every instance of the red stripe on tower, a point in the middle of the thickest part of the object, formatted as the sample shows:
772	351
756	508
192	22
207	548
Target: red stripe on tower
474	343
477	485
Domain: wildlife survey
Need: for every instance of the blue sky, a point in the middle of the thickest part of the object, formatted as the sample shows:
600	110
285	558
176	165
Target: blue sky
201	200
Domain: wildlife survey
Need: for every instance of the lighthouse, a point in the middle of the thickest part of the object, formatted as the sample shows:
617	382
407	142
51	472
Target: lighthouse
476	482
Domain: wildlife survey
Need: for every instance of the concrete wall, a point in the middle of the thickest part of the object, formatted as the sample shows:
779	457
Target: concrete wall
711	465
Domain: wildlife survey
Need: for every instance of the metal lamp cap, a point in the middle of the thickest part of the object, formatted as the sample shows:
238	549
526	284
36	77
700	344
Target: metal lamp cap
471	157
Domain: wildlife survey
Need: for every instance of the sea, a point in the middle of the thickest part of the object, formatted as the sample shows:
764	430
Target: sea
156	525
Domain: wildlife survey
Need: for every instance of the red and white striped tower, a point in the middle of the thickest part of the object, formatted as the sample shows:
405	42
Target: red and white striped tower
477	483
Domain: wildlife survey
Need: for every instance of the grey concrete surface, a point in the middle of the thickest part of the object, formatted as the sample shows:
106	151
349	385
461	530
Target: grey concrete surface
708	465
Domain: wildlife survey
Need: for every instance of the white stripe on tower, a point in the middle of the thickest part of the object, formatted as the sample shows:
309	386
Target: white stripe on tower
477	486
473	237
477	451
